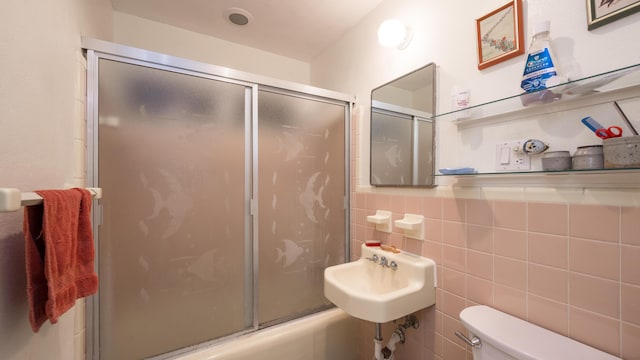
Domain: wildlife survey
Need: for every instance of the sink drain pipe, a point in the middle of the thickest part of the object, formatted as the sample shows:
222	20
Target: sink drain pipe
397	336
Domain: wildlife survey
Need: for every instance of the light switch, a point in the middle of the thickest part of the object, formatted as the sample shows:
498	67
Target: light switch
504	155
509	159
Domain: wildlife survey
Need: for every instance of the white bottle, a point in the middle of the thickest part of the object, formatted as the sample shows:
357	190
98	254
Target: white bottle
539	67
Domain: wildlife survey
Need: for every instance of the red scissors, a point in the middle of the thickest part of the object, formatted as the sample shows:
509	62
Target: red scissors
610	132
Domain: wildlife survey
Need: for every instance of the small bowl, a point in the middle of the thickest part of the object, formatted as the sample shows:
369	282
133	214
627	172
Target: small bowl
556	161
588	158
588	150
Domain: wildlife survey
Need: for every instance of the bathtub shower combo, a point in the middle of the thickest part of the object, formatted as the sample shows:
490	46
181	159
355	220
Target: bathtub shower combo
225	198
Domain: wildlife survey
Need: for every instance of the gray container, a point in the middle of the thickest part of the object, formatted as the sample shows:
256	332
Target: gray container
622	152
556	161
588	158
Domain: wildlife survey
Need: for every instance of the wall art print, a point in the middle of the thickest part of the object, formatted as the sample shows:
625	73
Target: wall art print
601	12
500	34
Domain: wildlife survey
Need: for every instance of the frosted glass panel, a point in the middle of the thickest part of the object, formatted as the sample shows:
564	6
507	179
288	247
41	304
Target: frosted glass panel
172	243
301	230
423	162
391	148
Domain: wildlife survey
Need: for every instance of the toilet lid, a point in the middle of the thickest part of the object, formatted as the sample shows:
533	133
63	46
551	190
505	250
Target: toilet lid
524	340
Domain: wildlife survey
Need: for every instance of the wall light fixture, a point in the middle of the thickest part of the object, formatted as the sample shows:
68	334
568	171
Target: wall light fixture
393	33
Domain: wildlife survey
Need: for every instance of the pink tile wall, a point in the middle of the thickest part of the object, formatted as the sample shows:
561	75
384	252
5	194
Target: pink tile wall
574	269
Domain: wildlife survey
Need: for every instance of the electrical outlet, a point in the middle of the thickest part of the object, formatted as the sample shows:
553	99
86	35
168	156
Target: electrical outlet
509	157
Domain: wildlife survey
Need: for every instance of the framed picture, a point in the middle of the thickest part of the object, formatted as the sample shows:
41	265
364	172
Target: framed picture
600	12
500	34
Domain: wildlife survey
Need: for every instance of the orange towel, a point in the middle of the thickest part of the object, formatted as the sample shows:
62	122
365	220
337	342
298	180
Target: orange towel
59	253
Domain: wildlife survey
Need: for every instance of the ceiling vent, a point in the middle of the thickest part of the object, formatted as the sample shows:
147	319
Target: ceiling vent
237	16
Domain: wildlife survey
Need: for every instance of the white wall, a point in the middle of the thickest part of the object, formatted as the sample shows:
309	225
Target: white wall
41	143
444	33
149	35
41	98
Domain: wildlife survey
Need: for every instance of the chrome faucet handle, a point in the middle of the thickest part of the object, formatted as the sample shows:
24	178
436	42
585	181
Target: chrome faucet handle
373	258
384	262
393	265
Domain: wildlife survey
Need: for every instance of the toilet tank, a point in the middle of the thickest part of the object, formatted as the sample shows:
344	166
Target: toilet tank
505	337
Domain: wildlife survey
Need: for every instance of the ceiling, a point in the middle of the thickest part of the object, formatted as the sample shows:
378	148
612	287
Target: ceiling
299	29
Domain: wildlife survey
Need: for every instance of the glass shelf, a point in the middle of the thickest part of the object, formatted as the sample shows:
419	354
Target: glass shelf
616	178
487	122
592	89
548	172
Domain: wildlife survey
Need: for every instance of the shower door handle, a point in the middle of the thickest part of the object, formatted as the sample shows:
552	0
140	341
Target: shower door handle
473	342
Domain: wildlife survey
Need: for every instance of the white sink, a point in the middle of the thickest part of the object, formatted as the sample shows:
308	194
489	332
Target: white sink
367	290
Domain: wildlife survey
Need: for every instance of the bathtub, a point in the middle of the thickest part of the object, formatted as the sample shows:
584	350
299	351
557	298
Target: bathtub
328	335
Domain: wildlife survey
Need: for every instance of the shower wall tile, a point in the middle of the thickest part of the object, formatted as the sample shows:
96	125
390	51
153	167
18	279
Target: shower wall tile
549	314
510	272
510	300
595	222
630	303
453	304
432	207
412	245
454	257
361	201
454	209
397	206
413	205
479	290
510	243
480	238
630	226
453	233
480	264
454	282
595	294
510	215
630	343
548	263
583	325
597	258
453	351
480	212
384	202
630	264
548	250
372	202
548	282
433	229
361	216
547	218
451	325
433	250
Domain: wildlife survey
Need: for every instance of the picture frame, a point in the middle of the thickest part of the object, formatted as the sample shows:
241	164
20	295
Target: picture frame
601	12
500	34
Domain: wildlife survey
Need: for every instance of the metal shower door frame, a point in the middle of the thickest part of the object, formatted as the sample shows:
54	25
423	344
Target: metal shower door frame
98	49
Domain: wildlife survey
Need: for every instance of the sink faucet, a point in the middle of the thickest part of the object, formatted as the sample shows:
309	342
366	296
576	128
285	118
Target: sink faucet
373	258
384	262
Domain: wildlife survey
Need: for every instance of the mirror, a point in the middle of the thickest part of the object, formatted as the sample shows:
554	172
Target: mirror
403	131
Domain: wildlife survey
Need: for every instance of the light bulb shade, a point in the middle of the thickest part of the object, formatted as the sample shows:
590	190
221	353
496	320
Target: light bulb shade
393	33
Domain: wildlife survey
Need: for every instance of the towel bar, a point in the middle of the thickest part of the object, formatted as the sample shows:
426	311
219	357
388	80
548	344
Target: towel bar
11	199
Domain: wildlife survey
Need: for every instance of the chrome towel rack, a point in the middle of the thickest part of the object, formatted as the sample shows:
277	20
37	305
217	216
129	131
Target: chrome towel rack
12	199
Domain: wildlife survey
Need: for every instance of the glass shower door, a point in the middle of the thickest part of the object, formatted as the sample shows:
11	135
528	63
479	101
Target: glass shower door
175	265
302	196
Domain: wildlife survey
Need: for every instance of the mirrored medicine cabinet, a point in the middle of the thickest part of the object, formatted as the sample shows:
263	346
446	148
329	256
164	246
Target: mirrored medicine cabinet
403	131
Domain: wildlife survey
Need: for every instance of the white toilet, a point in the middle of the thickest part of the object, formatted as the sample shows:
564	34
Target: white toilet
504	337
